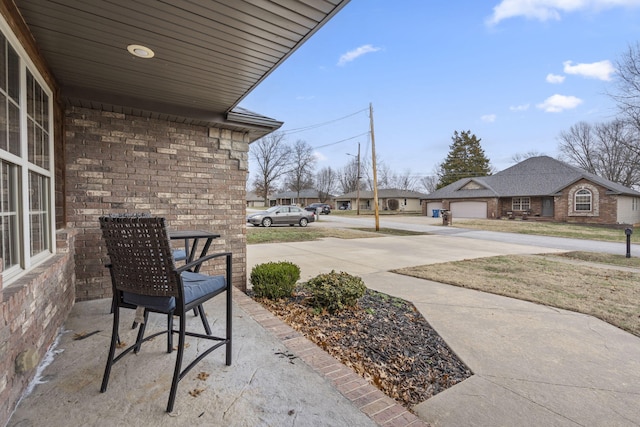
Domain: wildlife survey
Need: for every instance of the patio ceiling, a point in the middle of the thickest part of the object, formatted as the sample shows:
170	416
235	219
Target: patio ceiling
208	54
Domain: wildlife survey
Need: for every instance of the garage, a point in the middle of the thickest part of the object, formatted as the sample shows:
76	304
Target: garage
468	209
431	206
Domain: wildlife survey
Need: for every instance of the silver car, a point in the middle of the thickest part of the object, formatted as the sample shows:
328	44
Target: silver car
290	215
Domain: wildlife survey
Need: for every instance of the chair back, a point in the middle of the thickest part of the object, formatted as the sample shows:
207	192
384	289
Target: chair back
140	253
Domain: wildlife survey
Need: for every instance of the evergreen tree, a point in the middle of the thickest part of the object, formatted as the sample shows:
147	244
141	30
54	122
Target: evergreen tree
466	159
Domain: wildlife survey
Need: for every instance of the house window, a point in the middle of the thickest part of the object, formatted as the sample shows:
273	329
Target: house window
26	166
583	200
520	203
635	204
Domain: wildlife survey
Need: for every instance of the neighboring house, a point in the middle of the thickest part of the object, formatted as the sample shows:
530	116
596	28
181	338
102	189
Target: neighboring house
304	198
539	187
93	123
407	201
253	200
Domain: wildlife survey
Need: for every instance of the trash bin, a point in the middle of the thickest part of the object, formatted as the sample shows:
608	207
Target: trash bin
435	213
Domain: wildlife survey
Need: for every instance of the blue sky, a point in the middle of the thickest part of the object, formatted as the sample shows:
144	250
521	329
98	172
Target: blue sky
514	72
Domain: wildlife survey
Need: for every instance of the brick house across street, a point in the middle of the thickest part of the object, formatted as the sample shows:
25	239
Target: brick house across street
114	108
539	188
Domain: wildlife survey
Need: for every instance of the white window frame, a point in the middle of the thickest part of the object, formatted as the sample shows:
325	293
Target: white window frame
518	203
578	194
26	261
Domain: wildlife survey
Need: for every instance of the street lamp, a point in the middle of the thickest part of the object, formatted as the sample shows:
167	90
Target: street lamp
357	181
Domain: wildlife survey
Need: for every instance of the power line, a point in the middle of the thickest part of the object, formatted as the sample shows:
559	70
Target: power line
342	140
310	127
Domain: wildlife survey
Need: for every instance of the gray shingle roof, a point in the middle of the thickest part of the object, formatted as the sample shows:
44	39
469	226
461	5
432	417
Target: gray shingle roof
385	193
535	176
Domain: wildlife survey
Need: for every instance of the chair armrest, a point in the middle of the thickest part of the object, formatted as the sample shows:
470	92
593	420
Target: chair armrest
201	260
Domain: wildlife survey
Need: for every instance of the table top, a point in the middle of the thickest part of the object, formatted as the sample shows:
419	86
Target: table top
192	234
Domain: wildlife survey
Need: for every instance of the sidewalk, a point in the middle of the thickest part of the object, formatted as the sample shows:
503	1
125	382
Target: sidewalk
533	365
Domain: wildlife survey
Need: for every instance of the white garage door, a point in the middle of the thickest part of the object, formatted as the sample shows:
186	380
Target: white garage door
433	205
468	209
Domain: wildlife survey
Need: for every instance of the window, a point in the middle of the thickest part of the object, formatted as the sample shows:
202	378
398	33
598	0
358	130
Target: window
583	200
26	166
635	204
520	203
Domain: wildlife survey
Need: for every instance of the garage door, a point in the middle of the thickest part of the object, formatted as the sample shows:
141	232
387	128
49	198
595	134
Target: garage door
431	206
468	209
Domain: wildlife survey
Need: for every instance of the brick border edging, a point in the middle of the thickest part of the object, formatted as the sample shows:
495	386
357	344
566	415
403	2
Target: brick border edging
366	397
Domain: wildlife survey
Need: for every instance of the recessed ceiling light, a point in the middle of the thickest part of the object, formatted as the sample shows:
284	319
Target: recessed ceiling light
140	51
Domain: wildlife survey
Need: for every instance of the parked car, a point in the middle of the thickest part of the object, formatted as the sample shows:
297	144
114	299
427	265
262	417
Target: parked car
290	215
322	208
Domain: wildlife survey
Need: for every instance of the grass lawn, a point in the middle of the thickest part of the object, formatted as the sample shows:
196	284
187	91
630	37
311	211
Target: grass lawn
304	234
574	231
606	293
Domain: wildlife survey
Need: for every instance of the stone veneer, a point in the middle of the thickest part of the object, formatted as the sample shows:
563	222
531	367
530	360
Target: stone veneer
115	163
33	308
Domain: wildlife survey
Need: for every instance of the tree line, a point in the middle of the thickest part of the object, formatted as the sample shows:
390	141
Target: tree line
610	150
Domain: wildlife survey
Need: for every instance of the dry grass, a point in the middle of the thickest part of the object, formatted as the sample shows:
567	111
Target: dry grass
574	231
280	234
607	293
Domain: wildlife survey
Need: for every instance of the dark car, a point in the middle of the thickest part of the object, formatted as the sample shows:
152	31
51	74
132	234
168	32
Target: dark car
290	215
322	208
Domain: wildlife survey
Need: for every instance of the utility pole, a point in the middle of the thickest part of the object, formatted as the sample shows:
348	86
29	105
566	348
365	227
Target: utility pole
375	169
358	183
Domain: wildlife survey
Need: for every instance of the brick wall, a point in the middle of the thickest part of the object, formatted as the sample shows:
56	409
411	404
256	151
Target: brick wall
193	176
33	308
604	205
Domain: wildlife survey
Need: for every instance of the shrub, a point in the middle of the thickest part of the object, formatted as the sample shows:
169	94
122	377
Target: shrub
393	204
274	280
335	291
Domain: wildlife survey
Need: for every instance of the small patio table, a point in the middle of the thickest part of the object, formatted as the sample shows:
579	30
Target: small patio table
191	240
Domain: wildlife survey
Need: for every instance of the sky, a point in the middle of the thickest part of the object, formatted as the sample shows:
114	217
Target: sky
516	73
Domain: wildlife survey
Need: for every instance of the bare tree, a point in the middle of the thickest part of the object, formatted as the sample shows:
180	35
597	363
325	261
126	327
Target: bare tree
429	183
271	155
302	162
609	150
405	181
326	182
518	157
348	176
627	95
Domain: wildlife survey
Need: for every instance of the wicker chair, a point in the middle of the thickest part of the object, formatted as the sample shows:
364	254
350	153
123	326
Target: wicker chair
143	274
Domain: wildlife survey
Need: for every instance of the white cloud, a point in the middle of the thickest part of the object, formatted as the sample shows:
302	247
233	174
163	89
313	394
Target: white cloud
523	107
355	53
601	70
488	118
319	156
558	103
554	78
544	10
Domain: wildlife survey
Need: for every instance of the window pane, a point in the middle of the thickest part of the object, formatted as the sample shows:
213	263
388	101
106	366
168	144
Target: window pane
9	241
3	63
14	129
13	74
38	136
38	202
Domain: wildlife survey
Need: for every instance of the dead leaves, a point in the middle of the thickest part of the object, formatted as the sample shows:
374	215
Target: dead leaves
385	340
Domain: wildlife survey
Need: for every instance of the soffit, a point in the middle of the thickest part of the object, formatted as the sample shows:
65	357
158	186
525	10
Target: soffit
208	54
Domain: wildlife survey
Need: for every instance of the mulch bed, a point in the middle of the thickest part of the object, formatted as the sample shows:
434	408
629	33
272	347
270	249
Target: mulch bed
384	339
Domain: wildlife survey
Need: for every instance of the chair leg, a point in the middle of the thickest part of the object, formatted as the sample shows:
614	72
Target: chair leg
112	348
141	331
178	368
205	321
229	328
169	332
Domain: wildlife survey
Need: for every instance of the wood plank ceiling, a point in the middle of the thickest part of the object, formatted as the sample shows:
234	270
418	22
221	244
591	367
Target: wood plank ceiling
208	54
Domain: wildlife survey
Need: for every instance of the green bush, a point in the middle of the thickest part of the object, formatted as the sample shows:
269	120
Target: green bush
274	280
335	291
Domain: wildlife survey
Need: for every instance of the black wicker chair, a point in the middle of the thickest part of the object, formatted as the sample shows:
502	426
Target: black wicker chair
143	274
